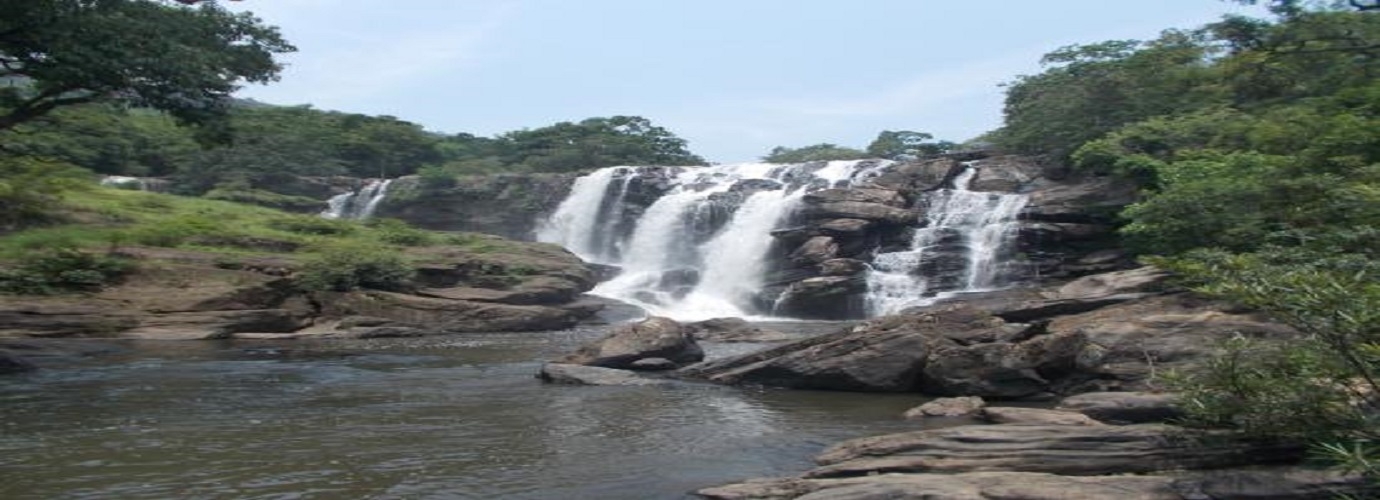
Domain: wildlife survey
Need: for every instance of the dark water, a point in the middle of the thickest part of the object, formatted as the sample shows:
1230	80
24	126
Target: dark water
437	417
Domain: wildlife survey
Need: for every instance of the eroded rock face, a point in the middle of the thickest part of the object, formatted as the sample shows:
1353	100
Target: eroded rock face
654	337
507	205
733	330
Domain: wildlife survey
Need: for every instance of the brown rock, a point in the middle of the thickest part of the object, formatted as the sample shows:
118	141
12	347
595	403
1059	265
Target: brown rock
965	406
654	337
1033	416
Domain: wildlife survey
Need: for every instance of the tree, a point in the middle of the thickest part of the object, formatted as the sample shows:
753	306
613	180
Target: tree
906	145
816	152
593	143
146	53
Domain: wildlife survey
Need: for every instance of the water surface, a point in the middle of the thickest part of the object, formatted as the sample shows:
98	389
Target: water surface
436	417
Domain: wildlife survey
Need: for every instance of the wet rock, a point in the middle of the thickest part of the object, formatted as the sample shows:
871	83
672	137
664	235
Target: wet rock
733	330
455	316
824	297
363	321
1033	416
1085	200
861	195
842	267
845	227
654	337
965	406
378	332
683	277
11	363
1125	407
814	251
1137	282
559	373
859	210
1058	449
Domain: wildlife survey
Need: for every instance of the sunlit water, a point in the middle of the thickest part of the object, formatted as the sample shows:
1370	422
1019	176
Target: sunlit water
437	417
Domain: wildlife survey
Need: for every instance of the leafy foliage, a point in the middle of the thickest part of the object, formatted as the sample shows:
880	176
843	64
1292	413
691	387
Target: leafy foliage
906	145
345	267
817	152
62	269
183	60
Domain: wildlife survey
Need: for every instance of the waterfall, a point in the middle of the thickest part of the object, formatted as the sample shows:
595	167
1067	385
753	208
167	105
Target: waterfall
959	248
701	247
358	204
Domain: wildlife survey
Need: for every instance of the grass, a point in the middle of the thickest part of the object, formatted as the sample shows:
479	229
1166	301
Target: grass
103	218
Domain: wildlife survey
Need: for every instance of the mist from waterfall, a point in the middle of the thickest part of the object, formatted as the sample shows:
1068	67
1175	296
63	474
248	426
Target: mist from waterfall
964	229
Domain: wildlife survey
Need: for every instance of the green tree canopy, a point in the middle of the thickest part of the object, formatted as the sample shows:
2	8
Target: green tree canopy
147	53
816	152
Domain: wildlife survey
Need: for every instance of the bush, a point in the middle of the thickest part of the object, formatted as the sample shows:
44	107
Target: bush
266	199
344	267
304	224
62	270
397	232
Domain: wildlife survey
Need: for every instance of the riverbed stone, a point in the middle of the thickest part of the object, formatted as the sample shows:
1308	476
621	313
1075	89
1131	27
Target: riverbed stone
654	337
734	330
561	373
965	406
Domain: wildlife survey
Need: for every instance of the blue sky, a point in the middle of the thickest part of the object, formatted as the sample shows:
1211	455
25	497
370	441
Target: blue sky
733	77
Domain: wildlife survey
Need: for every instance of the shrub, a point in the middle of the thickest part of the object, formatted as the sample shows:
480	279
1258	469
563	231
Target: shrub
63	269
343	267
397	232
304	224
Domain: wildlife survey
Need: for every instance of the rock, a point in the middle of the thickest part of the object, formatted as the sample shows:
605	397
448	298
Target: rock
733	330
559	373
859	210
1033	416
967	486
653	364
654	337
349	322
1003	370
1125	407
965	406
1263	483
861	195
814	251
1058	449
1137	282
883	355
1094	200
824	297
1128	344
919	176
507	205
11	363
845	227
217	324
448	315
842	267
1004	174
378	332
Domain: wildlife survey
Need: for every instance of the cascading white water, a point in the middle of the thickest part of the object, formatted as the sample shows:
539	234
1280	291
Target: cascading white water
357	204
962	227
700	249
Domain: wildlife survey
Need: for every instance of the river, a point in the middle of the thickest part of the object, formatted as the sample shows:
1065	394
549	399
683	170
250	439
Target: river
434	417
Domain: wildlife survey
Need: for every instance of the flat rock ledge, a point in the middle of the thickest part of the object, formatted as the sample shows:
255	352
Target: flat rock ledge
1254	484
1035	462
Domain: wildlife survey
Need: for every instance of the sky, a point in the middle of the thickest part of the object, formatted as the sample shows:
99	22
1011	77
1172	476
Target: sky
734	78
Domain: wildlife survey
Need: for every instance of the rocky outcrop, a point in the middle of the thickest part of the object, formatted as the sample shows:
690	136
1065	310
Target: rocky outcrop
627	344
1033	416
1109	332
966	406
1266	483
734	330
1055	449
507	205
186	295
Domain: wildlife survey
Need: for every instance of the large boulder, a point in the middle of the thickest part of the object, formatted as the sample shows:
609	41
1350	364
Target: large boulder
814	251
859	210
654	337
823	297
965	406
863	195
